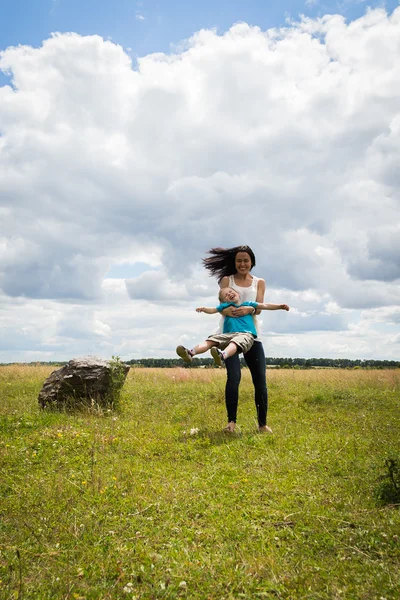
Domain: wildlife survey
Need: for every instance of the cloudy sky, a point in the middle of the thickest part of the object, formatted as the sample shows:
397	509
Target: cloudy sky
135	136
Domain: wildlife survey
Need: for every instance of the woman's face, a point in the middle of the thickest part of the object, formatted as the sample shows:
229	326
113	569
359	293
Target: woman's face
243	262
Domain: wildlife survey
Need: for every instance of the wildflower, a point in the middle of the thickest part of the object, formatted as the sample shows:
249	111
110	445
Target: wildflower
128	588
183	584
194	431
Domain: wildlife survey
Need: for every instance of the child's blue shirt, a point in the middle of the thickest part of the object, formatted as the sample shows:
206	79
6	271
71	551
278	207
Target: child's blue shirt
243	324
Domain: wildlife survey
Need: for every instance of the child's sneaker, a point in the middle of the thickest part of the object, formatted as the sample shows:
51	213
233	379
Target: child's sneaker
184	354
217	356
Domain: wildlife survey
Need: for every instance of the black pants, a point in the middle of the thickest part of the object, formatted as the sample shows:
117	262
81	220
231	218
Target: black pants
255	360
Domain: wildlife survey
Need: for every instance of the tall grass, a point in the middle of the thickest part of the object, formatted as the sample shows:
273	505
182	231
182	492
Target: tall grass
155	501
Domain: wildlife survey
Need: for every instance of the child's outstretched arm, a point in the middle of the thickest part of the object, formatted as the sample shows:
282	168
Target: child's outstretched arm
269	306
208	311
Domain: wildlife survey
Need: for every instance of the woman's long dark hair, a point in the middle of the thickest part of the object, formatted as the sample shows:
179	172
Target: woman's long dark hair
221	263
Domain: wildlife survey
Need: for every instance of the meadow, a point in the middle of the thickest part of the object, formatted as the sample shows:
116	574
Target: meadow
156	501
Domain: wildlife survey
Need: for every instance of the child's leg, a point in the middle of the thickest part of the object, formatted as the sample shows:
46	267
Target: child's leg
220	356
202	347
230	350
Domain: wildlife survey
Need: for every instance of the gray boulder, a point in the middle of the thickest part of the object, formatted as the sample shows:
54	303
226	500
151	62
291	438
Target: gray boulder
84	382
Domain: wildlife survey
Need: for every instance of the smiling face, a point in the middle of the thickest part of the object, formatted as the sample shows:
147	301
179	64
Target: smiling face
229	295
243	263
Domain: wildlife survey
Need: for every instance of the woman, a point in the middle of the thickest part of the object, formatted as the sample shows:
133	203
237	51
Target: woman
232	268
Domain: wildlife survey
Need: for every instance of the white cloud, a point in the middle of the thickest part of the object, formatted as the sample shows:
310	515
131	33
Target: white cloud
288	140
388	315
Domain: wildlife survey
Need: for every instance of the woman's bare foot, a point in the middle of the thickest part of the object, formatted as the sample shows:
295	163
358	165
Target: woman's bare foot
265	429
230	428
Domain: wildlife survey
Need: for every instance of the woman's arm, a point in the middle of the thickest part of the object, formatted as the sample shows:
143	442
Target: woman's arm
224	282
227	312
260	293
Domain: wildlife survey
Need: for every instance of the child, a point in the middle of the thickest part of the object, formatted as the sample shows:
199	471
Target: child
238	334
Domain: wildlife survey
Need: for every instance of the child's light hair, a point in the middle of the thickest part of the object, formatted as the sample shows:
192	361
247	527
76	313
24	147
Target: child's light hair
223	290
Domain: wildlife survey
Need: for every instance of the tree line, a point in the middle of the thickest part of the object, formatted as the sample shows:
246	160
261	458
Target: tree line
282	363
278	363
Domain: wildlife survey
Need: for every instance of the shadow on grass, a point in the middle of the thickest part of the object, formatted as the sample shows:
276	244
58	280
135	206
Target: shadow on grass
219	438
89	408
388	489
332	397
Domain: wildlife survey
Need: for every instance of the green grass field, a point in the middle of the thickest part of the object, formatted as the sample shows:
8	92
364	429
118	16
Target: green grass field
139	504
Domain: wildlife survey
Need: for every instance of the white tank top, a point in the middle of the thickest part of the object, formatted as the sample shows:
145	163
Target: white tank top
247	294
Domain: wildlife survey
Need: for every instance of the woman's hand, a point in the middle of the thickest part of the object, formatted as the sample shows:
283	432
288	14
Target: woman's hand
242	310
233	311
228	312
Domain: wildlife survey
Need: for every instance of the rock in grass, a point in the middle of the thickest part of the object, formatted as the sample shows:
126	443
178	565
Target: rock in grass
84	381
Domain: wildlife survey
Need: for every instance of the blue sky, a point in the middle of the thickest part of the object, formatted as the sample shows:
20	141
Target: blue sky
147	26
153	25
